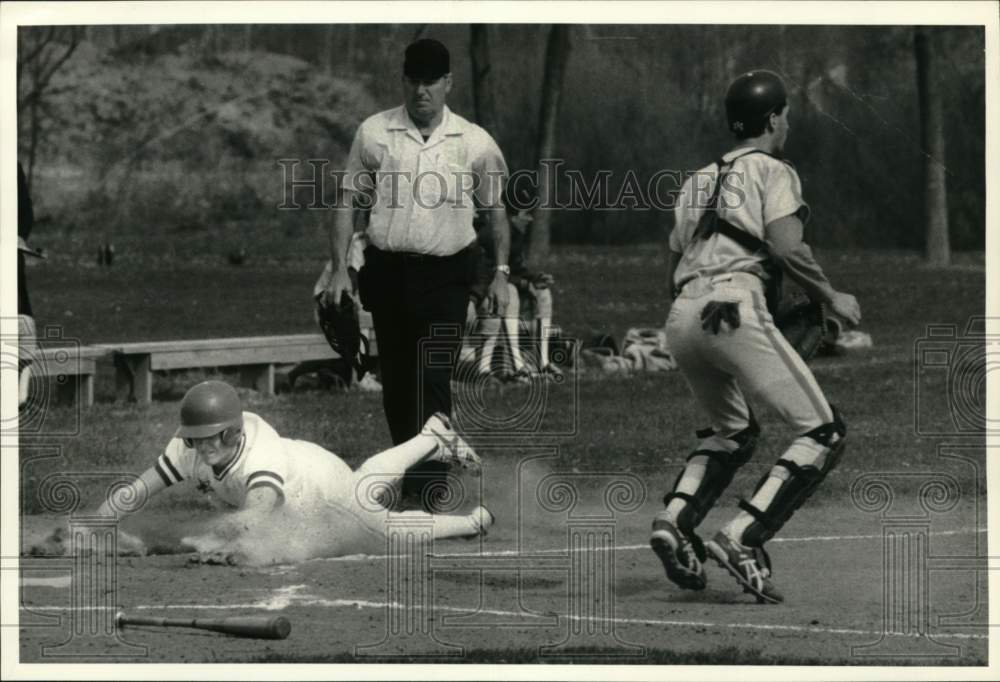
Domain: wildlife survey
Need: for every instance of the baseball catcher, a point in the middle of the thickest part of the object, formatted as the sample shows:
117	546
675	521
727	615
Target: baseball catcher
727	258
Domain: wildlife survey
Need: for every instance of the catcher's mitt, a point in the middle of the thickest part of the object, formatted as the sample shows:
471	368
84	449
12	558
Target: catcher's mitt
805	325
342	329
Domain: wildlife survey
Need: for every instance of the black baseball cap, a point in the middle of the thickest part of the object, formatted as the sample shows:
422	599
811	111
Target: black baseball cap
426	59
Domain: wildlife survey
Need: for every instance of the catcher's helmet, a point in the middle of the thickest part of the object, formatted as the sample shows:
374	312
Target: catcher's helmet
751	99
209	408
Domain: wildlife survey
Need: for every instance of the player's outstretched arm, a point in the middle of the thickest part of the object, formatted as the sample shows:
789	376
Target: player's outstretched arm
119	504
121	501
784	241
232	532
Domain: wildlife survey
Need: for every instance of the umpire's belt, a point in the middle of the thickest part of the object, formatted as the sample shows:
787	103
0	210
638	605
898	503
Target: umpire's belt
701	286
401	257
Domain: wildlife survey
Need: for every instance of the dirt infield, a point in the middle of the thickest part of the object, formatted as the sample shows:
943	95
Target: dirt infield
885	565
585	590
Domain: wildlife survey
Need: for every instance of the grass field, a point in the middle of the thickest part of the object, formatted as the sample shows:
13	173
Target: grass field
594	427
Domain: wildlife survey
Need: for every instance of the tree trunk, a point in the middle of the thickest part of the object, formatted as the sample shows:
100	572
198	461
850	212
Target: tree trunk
482	90
327	55
33	143
350	47
556	56
938	248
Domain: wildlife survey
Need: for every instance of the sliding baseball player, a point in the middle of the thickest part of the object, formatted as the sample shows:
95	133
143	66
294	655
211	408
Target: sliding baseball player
241	459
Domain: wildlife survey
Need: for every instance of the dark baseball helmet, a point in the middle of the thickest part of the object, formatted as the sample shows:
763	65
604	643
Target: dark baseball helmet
209	408
751	99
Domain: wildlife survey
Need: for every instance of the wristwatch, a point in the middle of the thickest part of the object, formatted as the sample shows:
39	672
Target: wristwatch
505	269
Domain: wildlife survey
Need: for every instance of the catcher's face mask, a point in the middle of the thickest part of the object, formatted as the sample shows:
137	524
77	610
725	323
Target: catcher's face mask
342	328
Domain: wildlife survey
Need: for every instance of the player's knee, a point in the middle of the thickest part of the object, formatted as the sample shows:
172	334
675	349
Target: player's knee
801	469
746	440
719	458
513	301
828	440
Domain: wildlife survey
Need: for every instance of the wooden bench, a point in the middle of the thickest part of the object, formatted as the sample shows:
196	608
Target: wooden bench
73	367
256	356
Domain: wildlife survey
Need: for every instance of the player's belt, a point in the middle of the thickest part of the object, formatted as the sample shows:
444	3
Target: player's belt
700	286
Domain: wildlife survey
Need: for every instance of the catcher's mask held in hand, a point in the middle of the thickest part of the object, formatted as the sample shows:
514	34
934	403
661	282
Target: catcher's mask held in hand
342	329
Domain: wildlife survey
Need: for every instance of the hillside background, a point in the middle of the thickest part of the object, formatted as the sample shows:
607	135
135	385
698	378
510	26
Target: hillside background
164	139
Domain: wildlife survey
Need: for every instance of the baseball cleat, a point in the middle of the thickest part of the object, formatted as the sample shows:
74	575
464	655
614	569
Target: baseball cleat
678	555
451	449
551	373
749	565
521	376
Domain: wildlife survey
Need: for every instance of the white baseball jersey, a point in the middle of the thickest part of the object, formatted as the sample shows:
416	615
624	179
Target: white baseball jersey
305	476
758	189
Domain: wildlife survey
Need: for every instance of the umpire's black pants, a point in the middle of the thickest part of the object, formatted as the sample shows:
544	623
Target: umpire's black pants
418	305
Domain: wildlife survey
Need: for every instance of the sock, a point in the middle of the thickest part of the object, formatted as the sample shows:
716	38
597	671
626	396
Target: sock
445	525
693	474
804	452
735	528
490	328
24	386
543	350
467	353
513	341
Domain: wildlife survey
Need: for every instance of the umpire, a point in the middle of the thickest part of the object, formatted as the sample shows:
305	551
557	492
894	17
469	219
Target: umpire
418	173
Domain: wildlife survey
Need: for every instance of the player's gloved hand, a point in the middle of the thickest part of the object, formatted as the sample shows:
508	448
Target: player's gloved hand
717	312
340	283
202	544
846	307
220	558
57	543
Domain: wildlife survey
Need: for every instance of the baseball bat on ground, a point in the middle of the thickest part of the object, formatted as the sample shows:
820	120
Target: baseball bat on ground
260	627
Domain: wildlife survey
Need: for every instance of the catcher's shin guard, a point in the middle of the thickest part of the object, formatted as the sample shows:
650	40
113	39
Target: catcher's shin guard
720	468
799	483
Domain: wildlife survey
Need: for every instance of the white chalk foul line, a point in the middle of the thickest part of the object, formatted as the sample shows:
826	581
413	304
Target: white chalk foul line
293	598
625	548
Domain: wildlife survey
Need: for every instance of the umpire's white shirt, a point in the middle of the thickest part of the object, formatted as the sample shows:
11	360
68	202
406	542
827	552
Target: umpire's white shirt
424	193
